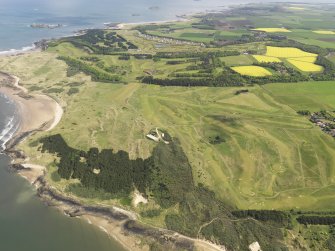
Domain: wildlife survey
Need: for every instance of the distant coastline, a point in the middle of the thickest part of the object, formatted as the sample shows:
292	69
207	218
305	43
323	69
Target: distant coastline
36	46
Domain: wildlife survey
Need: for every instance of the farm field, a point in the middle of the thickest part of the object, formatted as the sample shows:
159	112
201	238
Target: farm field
324	32
254	71
272	30
266	59
305	66
288	52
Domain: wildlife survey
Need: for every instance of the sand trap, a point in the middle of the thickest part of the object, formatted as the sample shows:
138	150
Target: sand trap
255	246
58	116
138	198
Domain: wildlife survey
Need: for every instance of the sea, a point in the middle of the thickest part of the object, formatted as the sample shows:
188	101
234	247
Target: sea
25	222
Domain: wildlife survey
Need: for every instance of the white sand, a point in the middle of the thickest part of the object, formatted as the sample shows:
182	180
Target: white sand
138	198
58	116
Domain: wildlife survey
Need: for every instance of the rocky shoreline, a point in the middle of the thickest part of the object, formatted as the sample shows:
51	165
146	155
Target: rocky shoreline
126	222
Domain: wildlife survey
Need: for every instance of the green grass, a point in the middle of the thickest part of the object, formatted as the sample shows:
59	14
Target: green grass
238	60
312	96
270	157
186	32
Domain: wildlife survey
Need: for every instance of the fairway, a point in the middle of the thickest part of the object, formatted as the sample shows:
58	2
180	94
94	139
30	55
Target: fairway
254	71
272	30
266	59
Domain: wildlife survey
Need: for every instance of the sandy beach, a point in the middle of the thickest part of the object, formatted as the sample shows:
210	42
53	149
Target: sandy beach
14	52
37	112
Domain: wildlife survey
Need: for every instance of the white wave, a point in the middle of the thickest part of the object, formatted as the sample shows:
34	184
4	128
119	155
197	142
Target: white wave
8	126
7	99
7	133
17	51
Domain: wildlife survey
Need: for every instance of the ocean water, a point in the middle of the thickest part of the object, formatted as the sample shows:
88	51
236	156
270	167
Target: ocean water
9	121
26	223
16	16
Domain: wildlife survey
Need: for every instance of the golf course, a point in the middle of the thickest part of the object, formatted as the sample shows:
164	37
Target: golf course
235	97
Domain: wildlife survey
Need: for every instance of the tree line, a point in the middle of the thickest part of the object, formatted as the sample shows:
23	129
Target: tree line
95	73
167	174
280	217
316	220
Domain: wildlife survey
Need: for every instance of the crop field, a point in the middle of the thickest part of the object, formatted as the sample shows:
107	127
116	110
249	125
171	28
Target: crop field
305	66
272	30
296	8
287	52
254	71
323	39
324	32
266	59
306	59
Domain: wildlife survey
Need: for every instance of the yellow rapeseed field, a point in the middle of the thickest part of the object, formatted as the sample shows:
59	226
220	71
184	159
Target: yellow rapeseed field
287	52
266	59
305	66
253	71
296	8
306	59
324	32
272	30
